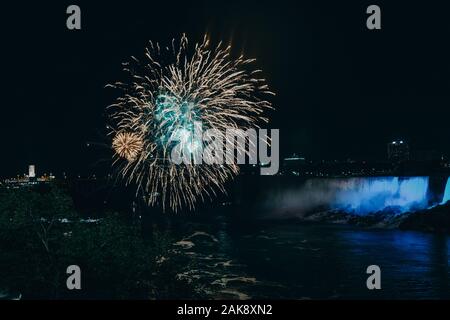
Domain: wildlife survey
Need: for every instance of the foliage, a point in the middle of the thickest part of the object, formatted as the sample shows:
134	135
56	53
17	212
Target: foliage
41	235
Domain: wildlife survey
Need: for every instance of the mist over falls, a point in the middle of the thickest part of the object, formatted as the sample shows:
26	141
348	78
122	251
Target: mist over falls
360	196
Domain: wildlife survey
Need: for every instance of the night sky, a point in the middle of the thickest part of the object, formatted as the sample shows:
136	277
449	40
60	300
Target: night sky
343	91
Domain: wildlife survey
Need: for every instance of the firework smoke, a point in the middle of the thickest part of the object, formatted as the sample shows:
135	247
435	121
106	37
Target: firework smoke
170	91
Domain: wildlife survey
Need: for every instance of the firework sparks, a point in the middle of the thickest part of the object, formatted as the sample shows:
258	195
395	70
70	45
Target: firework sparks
127	145
168	93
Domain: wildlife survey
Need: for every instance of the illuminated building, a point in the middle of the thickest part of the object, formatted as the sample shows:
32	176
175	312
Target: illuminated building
31	171
398	151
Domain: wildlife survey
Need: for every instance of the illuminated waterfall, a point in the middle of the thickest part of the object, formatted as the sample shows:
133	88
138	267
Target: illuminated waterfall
366	195
447	192
358	196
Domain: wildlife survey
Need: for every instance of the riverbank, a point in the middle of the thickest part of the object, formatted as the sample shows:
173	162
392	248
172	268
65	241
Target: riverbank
435	219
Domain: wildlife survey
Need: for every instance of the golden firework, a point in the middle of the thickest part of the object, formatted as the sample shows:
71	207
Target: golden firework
127	145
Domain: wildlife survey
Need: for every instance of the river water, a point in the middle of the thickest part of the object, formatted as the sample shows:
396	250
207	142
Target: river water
291	260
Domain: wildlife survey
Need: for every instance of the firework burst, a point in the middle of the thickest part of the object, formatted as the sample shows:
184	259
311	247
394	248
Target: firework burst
127	145
170	91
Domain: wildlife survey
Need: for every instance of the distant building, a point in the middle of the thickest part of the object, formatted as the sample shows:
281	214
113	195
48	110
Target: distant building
398	151
31	171
293	165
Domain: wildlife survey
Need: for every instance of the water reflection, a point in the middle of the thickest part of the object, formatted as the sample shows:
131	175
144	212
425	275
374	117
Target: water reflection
320	262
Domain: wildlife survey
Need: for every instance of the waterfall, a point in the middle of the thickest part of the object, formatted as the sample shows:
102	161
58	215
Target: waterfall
359	196
366	195
447	192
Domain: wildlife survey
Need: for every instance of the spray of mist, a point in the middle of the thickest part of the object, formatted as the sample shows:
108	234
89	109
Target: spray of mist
359	196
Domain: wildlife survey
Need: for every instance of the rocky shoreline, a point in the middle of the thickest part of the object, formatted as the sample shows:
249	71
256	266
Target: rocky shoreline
435	219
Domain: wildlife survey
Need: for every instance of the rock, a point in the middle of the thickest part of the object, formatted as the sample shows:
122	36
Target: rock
436	219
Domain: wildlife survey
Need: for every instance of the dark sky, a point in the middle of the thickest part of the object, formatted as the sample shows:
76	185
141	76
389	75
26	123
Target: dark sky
342	90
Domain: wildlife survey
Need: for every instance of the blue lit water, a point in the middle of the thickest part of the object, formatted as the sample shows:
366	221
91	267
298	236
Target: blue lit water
359	196
447	192
366	195
308	261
